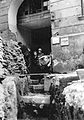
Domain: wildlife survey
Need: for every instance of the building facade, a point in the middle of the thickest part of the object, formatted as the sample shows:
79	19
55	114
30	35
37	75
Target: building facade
56	25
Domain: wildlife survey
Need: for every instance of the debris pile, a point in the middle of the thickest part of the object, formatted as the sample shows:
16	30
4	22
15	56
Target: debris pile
11	58
74	94
3	70
12	64
14	59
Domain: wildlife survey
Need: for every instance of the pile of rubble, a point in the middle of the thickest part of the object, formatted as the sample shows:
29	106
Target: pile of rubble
74	94
10	94
12	64
8	99
12	58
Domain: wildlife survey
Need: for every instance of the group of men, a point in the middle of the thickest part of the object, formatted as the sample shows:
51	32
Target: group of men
41	62
37	62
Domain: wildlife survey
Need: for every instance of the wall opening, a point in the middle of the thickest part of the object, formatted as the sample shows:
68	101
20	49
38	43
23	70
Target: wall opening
36	35
40	38
32	38
33	6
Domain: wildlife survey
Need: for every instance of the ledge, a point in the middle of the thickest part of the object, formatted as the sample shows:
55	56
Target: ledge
35	14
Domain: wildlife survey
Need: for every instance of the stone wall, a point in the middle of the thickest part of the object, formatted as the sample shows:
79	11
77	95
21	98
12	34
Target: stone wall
10	101
67	25
13	78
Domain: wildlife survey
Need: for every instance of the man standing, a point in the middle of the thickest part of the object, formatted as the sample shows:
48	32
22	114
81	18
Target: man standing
26	53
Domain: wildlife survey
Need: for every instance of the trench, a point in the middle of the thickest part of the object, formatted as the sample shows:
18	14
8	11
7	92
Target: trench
34	31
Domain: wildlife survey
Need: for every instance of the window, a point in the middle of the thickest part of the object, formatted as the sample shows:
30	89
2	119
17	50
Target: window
45	4
38	6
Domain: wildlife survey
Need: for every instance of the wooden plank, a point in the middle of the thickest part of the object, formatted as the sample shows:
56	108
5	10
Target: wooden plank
3	18
64	13
64	4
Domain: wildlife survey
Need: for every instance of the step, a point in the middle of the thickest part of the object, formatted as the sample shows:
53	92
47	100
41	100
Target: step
37	88
34	81
36	98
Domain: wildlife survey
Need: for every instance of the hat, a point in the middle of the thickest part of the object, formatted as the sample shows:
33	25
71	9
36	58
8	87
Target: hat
40	49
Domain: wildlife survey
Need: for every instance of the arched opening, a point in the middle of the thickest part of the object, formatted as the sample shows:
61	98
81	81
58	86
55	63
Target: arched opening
31	25
34	25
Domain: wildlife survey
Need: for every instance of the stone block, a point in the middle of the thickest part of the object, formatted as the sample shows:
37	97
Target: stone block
10	98
36	98
80	73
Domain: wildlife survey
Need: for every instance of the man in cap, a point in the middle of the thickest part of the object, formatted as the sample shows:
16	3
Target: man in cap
40	53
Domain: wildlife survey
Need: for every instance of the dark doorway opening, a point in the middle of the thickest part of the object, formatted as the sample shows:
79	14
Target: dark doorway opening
41	38
35	39
34	30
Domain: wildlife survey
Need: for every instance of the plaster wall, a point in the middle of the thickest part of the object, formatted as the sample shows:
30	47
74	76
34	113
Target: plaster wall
67	24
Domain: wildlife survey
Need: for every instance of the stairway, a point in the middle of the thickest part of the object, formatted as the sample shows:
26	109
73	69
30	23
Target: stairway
36	85
37	94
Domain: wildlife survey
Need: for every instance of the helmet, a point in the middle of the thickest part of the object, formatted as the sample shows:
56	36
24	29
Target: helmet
39	49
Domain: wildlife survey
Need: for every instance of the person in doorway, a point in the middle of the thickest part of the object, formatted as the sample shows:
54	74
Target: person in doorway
44	61
35	55
35	62
40	53
26	53
40	61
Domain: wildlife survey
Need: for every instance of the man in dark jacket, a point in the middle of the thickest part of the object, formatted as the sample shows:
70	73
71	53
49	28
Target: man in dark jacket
26	53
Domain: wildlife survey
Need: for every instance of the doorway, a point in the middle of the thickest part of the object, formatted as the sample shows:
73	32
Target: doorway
41	38
34	29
